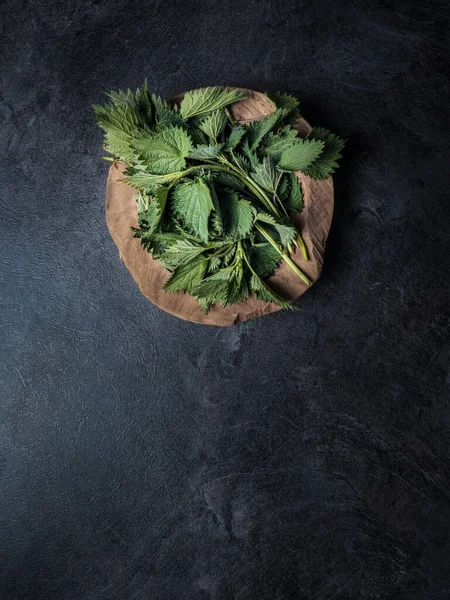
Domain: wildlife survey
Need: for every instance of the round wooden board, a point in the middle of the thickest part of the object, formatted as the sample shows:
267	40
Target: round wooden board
314	223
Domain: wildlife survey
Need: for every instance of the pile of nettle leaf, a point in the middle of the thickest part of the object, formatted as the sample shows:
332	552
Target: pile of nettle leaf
216	199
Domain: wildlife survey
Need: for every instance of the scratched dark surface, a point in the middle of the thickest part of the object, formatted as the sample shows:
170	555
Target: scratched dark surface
299	456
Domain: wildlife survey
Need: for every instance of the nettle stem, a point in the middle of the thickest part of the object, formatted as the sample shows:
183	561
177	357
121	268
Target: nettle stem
300	242
284	256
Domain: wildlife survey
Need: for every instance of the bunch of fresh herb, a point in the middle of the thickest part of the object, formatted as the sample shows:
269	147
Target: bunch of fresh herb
215	198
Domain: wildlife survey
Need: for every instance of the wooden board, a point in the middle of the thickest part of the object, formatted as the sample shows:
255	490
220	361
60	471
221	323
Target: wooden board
314	223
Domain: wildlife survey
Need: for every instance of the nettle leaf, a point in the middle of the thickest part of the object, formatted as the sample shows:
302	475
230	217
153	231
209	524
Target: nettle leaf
128	113
228	182
201	102
286	233
216	215
169	116
242	162
119	123
203	304
214	264
150	216
326	163
164	150
214	124
275	144
160	242
186	277
118	143
181	252
300	155
238	215
204	151
147	182
228	257
258	129
265	293
283	186
226	286
250	155
289	103
266	175
214	287
198	137
160	104
237	291
295	200
264	259
139	102
235	136
192	203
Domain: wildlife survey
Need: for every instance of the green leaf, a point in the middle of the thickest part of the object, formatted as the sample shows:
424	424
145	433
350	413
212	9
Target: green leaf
147	182
275	144
326	163
216	215
236	134
127	114
300	155
289	103
250	155
283	186
295	200
181	252
169	116
159	104
202	102
228	257
204	305
197	136
265	293
204	151
258	129
139	102
242	162
227	181
192	203
119	124
237	214
214	124
226	286
266	175
214	264
214	288
264	259
163	151
237	291
151	216
186	277
286	233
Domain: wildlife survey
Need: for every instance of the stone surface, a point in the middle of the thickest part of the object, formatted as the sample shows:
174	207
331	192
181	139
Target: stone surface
313	223
297	456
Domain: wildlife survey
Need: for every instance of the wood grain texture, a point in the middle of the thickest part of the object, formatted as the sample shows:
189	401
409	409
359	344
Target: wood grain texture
314	223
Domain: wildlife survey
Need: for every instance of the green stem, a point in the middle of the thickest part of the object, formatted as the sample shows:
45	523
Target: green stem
259	193
284	256
302	245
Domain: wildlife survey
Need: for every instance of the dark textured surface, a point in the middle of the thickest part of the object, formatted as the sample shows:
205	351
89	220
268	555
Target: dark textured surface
298	456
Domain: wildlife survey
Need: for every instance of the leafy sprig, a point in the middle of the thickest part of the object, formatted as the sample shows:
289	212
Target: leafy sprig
216	199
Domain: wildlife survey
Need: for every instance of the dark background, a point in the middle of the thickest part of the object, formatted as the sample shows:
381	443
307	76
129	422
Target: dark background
298	456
